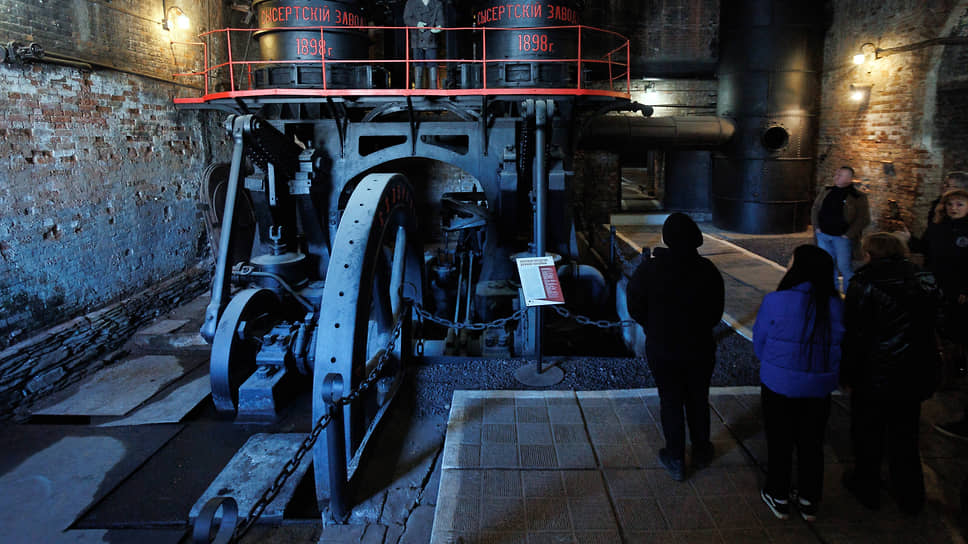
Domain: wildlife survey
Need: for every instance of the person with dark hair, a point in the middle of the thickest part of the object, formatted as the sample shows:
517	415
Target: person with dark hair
425	17
678	298
839	215
946	255
890	365
797	337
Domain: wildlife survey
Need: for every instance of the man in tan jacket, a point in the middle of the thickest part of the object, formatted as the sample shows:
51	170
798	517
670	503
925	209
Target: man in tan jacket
839	215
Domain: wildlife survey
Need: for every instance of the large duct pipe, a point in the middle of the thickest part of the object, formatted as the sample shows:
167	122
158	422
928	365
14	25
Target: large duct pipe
624	133
769	84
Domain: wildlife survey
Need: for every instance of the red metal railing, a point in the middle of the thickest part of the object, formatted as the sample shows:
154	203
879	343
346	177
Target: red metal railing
609	54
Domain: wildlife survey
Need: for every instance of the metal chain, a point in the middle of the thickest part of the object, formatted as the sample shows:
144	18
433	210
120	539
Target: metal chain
583	320
310	440
469	326
307	444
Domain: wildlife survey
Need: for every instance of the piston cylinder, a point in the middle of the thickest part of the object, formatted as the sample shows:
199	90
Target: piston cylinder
299	30
533	35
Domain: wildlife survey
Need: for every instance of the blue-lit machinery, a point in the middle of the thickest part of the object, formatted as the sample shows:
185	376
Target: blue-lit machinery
331	237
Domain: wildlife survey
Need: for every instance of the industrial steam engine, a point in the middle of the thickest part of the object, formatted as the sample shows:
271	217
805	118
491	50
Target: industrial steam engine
365	218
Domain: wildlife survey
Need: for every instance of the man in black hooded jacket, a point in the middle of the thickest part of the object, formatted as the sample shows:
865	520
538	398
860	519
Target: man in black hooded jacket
678	297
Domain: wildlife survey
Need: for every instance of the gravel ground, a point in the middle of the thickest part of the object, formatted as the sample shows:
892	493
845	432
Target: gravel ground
436	381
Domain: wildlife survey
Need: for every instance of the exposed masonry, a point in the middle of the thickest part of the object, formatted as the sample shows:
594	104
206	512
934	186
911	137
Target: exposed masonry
64	354
895	154
99	179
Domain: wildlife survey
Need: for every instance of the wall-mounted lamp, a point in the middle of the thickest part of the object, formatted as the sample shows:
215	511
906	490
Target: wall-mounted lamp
860	92
867	51
175	17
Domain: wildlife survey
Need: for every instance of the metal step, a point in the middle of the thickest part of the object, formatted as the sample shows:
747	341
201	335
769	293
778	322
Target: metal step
253	470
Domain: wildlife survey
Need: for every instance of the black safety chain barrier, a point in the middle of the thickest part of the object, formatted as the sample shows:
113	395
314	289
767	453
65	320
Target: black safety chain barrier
424	314
202	530
584	320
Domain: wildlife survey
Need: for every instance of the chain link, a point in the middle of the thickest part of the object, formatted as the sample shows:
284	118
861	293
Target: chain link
584	320
307	444
310	440
469	326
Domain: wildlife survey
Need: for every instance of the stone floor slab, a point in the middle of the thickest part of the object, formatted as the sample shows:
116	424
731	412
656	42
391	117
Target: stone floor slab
171	408
117	389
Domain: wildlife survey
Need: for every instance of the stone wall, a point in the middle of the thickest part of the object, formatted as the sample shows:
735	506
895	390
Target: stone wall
911	127
99	173
64	354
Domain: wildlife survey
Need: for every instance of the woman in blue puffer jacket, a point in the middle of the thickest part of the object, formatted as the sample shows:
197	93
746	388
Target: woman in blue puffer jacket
797	338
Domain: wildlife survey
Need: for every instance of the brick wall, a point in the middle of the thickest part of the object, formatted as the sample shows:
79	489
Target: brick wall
125	34
99	173
666	36
597	185
911	128
952	98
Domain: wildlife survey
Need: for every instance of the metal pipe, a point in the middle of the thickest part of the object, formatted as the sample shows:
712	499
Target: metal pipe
631	133
470	278
221	279
541	108
951	40
460	281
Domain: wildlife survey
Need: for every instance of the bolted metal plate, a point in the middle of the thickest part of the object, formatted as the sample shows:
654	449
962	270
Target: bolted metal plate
252	471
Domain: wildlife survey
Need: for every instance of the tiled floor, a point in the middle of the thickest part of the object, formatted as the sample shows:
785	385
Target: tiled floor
537	467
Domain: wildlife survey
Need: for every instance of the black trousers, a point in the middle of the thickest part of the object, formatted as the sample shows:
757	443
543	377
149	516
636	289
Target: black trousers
880	426
794	423
683	387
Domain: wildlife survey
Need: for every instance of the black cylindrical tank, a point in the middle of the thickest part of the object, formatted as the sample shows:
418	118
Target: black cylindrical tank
769	84
535	41
278	42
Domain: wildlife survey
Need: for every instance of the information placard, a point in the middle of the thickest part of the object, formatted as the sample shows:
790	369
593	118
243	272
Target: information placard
539	281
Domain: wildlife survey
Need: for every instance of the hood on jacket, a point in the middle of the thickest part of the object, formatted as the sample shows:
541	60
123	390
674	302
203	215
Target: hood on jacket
681	233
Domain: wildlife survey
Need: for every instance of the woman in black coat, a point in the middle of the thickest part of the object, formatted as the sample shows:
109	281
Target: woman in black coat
678	296
946	255
890	365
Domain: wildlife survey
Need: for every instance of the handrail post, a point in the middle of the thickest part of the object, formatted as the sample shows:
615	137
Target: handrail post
484	58
406	64
322	54
611	76
205	45
228	41
628	68
579	57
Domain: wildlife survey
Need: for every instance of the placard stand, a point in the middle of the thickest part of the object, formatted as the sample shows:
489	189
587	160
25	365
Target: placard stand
540	286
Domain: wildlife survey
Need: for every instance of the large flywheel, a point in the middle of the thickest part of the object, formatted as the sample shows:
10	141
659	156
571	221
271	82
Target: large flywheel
377	261
250	315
